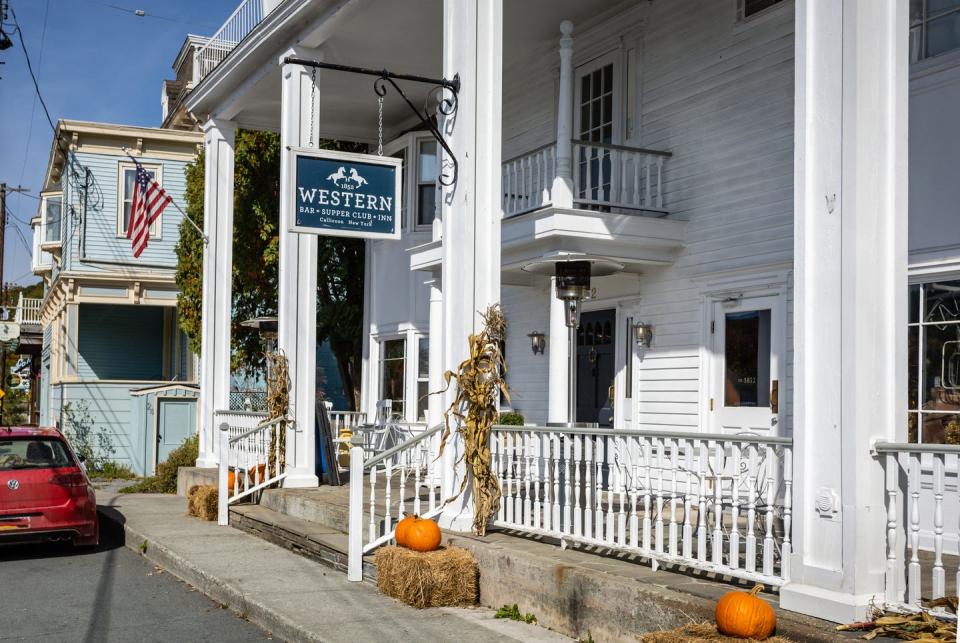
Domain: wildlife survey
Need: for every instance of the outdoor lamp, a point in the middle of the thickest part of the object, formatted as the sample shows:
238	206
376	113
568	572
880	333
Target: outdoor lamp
643	334
538	342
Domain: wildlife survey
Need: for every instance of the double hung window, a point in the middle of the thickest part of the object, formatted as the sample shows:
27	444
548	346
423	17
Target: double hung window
933	357
128	174
934	28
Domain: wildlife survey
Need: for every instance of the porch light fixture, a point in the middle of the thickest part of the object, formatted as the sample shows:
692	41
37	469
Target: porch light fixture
643	334
538	342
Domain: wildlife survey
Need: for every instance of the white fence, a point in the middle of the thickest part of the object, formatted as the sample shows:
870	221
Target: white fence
383	489
241	22
917	495
528	180
255	457
28	310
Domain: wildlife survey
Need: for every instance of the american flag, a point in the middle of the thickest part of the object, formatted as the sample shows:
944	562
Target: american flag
149	200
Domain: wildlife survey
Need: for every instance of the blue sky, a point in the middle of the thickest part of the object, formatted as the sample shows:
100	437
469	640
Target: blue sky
93	62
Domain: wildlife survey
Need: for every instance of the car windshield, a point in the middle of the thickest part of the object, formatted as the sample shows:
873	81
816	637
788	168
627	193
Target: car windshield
33	453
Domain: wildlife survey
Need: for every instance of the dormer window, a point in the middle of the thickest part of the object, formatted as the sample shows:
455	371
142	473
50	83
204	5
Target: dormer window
52	206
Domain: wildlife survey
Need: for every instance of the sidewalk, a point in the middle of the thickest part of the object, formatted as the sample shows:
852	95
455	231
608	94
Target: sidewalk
293	598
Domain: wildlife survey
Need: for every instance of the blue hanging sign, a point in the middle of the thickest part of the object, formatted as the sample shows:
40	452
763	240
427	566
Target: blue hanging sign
343	194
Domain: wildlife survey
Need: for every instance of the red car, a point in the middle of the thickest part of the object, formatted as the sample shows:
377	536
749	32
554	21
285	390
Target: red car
45	495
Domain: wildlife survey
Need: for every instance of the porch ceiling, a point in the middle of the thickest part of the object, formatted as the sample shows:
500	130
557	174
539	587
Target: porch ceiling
405	37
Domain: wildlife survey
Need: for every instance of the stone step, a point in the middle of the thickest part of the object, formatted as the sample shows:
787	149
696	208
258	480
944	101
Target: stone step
326	510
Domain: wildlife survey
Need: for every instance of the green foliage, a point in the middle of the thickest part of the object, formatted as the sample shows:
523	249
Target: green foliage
511	418
588	639
256	215
513	613
93	445
165	481
113	471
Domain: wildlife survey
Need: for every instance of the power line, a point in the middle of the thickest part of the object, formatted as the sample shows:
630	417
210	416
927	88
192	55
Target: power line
33	107
140	13
33	77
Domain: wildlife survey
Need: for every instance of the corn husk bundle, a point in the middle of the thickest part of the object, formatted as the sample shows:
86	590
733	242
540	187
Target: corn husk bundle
447	577
202	501
909	627
480	381
698	633
278	404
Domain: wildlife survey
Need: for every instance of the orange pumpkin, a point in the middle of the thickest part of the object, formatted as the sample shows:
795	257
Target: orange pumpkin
743	615
401	533
260	469
231	478
423	535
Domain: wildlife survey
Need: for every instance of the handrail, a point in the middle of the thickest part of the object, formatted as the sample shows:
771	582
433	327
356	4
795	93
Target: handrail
623	148
545	146
401	447
263	425
240	412
676	435
896	447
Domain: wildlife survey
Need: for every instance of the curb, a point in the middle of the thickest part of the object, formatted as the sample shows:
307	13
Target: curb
215	588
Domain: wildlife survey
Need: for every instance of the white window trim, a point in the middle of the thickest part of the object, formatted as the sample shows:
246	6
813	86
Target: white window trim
44	244
417	337
156	230
616	57
380	341
410	143
415	224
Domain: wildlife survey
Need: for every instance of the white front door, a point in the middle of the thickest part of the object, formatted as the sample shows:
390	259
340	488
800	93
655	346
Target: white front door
747	345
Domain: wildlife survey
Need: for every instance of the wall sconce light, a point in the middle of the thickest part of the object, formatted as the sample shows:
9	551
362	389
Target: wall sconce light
538	342
643	334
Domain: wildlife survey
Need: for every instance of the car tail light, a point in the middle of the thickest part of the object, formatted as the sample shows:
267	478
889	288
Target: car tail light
71	479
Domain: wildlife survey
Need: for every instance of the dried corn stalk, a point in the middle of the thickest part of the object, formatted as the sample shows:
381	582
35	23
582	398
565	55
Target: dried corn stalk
910	627
278	404
480	381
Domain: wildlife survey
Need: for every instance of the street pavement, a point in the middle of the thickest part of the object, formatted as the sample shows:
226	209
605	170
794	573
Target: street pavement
52	593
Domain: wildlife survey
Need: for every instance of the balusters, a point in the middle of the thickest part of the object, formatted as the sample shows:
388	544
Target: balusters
402	493
387	483
537	463
913	570
589	484
567	517
517	478
734	548
672	534
939	578
786	548
600	444
702	503
891	478
718	504
577	488
508	447
619	459
647	525
373	505
647	200
622	163
527	473
751	553
771	491
659	182
631	453
658	529
691	487
611	480
420	455
555	444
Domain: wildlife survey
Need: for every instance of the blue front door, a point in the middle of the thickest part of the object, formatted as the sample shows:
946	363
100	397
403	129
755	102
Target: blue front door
175	423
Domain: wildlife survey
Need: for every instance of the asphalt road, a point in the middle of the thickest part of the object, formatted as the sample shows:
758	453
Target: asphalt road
51	593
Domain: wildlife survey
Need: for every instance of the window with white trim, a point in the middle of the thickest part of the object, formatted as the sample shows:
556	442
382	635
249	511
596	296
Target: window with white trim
393	363
934	28
933	358
426	181
53	218
420	168
423	377
128	174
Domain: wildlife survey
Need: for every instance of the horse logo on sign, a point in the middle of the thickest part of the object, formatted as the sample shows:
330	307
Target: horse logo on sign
340	177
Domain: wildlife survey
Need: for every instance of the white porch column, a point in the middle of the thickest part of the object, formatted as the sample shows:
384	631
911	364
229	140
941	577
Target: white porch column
559	355
217	303
297	308
435	361
471	209
562	193
850	240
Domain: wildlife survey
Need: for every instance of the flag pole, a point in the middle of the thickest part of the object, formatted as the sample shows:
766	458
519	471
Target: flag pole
175	204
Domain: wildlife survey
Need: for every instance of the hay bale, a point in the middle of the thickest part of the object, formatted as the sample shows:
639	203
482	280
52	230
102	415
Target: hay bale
202	501
447	577
699	633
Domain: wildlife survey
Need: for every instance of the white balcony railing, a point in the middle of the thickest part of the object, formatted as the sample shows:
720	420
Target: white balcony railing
28	310
241	22
917	497
528	180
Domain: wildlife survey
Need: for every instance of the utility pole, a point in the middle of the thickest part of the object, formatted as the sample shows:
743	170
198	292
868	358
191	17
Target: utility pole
3	301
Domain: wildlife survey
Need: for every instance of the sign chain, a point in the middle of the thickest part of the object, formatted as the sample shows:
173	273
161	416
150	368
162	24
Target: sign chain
313	102
380	126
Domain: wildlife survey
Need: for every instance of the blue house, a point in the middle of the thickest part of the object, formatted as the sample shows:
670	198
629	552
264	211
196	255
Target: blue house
111	340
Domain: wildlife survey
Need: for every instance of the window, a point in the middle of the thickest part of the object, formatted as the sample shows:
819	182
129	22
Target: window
426	182
597	122
393	373
933	357
402	155
749	8
747	359
53	214
128	174
423	377
934	28
33	453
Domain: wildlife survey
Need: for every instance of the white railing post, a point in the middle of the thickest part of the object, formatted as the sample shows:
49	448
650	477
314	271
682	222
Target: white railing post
355	530
562	192
223	494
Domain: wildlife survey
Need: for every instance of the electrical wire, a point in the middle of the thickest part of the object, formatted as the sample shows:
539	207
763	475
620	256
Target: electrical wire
140	13
33	107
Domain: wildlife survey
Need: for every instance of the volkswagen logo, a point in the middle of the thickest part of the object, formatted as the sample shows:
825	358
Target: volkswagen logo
13	484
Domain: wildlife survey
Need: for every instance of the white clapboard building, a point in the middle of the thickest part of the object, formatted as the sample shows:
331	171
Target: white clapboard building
764	193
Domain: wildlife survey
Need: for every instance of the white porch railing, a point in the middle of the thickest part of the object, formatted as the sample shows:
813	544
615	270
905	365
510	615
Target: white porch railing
28	310
528	180
384	488
241	22
255	456
720	503
916	498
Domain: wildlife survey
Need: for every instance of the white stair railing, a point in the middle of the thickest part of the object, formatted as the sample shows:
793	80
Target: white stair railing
918	538
403	479
256	457
716	502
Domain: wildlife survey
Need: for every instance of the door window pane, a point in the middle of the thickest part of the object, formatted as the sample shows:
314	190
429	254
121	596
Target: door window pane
392	373
747	359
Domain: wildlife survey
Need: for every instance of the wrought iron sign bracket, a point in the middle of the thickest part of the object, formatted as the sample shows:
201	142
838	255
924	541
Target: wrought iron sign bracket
446	105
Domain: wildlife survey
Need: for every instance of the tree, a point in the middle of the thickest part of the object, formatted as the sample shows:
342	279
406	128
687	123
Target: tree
256	214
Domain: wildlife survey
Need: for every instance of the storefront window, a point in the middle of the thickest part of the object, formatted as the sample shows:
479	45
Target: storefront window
933	358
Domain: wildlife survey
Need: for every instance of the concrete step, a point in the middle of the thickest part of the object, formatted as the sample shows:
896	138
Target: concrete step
310	505
309	539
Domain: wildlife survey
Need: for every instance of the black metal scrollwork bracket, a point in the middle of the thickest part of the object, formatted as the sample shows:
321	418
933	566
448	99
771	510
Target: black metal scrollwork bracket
446	105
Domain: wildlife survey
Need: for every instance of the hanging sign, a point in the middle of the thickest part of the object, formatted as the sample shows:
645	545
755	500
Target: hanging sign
343	194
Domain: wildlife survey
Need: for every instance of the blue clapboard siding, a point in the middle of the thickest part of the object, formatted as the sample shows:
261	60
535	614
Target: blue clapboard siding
118	342
144	407
102	241
109	406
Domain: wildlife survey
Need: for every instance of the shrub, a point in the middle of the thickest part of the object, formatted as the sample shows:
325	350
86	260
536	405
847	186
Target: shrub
511	418
93	445
113	471
165	481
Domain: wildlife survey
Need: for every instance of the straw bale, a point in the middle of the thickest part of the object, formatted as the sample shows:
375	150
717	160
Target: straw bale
202	501
699	633
447	577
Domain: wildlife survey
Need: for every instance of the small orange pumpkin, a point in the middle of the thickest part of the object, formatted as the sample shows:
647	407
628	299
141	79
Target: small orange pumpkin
231	478
254	471
400	535
744	615
423	535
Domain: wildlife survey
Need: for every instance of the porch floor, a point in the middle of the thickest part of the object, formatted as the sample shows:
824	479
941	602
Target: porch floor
571	590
